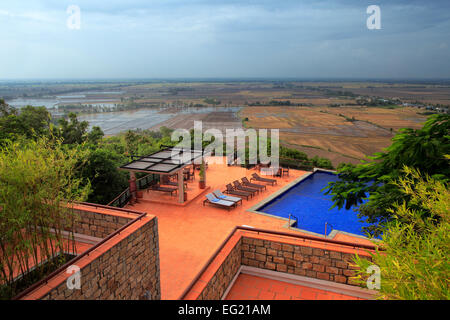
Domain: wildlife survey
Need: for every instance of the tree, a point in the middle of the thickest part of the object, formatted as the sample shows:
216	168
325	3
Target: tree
293	154
322	163
72	131
95	135
31	122
415	261
6	109
100	168
35	121
131	142
166	132
37	187
423	149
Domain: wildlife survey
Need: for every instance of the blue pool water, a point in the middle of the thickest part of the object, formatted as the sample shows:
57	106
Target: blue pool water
312	207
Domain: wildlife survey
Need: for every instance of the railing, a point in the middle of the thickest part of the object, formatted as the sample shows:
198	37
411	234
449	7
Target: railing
95	205
143	183
121	200
296	221
328	224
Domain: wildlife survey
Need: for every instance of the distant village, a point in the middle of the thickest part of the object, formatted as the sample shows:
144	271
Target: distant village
436	109
381	102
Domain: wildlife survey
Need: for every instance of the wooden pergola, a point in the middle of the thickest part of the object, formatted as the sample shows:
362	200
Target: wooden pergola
168	161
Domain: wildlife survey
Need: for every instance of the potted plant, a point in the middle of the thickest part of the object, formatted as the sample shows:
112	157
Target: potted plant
202	183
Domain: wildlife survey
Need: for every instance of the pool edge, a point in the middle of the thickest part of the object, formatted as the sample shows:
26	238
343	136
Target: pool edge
288	224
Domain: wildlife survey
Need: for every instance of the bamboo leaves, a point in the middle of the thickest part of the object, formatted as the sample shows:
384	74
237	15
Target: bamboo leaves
37	185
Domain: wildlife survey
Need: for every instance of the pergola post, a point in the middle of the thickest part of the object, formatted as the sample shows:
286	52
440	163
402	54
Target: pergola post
132	186
204	169
180	186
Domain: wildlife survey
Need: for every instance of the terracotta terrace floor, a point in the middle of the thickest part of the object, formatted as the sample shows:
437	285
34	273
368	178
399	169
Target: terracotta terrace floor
249	287
189	235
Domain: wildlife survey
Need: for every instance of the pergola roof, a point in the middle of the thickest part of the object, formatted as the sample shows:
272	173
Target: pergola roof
165	161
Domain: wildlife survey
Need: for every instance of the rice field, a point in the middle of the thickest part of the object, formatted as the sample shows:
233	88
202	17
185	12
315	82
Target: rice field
328	132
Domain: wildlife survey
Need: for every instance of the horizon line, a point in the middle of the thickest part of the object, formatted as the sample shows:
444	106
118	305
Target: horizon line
300	79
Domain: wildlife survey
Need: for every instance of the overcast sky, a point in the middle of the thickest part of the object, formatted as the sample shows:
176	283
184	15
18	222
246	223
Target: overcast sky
227	39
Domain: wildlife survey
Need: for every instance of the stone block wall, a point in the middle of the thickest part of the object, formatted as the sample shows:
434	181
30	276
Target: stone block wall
220	281
129	269
306	261
324	264
98	225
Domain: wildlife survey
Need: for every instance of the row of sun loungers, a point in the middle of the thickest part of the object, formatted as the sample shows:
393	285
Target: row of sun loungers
247	188
217	198
243	188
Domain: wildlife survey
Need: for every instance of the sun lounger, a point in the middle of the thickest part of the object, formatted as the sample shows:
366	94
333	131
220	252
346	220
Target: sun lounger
247	183
211	199
271	172
256	177
233	191
222	196
157	187
239	186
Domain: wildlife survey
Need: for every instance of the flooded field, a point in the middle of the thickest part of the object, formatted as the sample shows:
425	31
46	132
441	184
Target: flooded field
98	98
140	118
153	118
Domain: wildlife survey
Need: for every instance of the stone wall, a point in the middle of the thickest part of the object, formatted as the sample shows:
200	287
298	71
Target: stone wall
129	269
330	265
97	225
220	281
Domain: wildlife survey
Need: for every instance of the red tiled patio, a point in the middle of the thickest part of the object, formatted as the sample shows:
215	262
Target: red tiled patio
250	287
189	234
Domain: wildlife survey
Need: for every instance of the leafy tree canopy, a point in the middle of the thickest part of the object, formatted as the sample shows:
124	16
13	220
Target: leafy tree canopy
100	168
72	130
29	122
423	149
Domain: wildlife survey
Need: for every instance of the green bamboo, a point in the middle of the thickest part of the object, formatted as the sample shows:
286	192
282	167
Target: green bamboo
36	187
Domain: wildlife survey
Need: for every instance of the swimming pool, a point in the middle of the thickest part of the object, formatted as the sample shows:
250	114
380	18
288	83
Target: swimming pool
306	202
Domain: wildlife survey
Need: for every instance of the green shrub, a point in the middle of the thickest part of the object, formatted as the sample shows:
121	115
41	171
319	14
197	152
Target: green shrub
415	263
